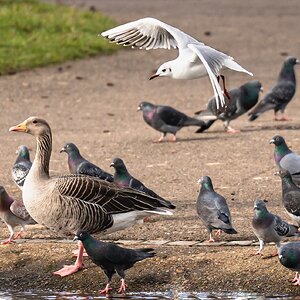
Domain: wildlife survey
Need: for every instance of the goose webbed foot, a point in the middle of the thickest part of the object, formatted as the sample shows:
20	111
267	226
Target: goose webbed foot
70	269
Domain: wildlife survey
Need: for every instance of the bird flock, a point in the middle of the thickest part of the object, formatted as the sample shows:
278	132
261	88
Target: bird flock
91	200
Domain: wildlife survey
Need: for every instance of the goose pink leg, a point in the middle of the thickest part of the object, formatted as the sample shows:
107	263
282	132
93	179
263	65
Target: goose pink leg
67	270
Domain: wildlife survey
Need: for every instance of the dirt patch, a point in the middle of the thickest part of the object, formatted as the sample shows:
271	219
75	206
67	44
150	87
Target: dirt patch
98	113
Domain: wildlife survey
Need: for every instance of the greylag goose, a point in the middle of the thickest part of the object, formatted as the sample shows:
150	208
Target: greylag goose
79	165
13	213
72	202
21	167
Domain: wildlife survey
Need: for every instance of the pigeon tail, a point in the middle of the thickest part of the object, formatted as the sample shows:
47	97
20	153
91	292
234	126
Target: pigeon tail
193	122
293	231
231	64
230	231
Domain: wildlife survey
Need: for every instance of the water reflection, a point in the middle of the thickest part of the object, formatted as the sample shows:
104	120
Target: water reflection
174	295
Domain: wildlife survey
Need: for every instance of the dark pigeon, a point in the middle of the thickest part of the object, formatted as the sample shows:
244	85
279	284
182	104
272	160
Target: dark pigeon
166	119
289	257
123	179
280	94
21	167
290	196
270	228
285	159
112	258
79	165
213	210
242	99
13	213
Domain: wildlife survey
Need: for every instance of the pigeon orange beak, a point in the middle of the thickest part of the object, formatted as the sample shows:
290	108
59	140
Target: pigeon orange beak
153	76
20	127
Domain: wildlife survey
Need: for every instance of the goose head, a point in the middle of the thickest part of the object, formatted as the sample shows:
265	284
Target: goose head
33	125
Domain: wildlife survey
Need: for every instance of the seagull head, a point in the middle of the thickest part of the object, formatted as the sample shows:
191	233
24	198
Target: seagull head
164	70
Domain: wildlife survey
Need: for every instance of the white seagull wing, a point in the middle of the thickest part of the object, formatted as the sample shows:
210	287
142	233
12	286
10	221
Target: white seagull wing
212	63
148	33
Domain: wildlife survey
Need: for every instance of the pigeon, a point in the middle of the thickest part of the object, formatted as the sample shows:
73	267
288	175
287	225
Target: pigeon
195	59
285	159
13	213
21	167
123	179
112	258
290	196
289	257
79	165
166	119
280	94
269	227
242	99
212	209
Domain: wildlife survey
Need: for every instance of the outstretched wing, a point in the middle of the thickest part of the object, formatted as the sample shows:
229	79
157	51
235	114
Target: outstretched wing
148	33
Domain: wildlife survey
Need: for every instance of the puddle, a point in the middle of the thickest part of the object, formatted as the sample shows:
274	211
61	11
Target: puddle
52	295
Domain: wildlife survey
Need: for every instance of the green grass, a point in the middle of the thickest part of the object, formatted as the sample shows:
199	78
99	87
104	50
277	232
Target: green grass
35	34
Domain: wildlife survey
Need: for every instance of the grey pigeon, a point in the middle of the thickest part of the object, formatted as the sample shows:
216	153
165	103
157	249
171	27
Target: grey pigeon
212	209
13	213
285	159
21	167
289	257
123	179
112	258
79	165
242	99
269	227
166	119
280	94
290	196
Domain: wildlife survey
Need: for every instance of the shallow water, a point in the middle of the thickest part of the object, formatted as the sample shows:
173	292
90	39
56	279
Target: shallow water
51	295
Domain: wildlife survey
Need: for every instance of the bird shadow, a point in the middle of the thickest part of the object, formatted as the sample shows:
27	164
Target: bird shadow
204	138
272	127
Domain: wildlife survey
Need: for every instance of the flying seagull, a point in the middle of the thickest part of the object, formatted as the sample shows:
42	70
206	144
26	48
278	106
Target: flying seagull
195	59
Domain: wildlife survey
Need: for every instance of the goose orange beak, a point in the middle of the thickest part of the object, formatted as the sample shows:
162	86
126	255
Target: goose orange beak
20	127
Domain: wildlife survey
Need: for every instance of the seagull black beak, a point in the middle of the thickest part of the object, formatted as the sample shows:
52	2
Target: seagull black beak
153	76
271	141
63	149
75	238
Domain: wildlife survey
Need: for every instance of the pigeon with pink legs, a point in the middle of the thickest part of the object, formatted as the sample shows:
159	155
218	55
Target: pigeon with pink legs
269	227
112	258
13	213
213	210
289	257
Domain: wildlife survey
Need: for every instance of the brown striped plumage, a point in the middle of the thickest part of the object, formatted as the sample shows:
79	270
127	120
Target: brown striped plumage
71	202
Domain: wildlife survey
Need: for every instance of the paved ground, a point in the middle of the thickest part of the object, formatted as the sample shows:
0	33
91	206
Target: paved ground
93	104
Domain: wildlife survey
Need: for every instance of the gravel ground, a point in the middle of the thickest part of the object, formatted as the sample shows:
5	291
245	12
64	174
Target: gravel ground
93	103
